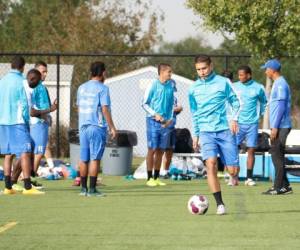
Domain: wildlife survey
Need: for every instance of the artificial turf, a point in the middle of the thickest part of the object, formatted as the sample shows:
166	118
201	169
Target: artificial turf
133	216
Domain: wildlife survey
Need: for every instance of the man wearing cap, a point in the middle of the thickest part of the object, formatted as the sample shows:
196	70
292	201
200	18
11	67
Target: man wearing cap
280	124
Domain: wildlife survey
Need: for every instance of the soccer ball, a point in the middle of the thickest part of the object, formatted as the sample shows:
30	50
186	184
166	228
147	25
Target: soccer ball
198	204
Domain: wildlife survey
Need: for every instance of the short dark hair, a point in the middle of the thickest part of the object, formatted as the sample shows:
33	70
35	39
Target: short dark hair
162	66
228	74
203	59
246	69
97	68
34	72
18	62
40	63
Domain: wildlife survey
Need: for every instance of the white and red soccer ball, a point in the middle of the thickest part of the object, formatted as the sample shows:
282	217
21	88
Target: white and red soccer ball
198	204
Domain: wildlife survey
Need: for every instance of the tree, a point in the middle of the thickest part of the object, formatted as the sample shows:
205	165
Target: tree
267	29
183	66
79	26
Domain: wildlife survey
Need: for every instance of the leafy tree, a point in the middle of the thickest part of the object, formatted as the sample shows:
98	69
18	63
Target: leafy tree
267	29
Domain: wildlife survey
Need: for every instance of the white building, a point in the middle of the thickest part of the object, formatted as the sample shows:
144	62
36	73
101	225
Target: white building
127	91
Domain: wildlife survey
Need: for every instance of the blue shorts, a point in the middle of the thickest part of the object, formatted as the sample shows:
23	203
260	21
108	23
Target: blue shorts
222	143
15	139
39	136
92	142
248	132
159	137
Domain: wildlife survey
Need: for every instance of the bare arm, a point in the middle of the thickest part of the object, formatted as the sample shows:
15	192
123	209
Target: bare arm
39	113
108	118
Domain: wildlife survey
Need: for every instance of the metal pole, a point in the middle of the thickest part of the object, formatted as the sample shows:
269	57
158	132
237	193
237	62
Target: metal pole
58	104
226	62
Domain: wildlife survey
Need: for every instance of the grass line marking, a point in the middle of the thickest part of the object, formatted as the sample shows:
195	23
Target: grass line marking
8	226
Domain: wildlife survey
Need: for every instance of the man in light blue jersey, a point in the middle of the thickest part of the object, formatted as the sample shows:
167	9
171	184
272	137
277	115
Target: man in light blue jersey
94	115
39	125
14	122
158	104
280	124
37	98
208	97
254	102
42	67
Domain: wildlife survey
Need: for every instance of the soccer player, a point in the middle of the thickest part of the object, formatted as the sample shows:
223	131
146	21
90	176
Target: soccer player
280	124
14	121
158	104
39	126
167	156
208	97
42	67
39	108
252	96
94	112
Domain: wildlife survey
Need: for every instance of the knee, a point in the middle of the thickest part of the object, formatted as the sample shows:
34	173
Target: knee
233	171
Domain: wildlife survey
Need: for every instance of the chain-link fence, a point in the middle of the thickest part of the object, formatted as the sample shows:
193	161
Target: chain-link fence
128	76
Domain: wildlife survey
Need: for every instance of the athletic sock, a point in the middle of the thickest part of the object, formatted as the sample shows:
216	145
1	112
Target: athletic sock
50	163
249	173
32	173
218	198
83	180
77	174
7	180
156	174
149	174
93	181
27	183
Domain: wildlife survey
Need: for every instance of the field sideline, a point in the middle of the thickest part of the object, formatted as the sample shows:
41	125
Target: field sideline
134	216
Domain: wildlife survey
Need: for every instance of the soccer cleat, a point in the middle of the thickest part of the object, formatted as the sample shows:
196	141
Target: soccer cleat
233	181
17	187
83	192
32	191
271	191
285	190
151	183
221	210
159	182
95	193
76	182
37	187
250	182
35	184
7	191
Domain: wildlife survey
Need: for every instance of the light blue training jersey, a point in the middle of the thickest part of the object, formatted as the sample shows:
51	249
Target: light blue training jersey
13	101
253	101
208	98
91	97
280	92
159	99
40	100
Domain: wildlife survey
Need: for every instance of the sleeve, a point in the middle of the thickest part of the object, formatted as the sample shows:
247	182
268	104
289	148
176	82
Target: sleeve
147	99
282	92
279	114
104	97
263	101
233	100
24	103
193	109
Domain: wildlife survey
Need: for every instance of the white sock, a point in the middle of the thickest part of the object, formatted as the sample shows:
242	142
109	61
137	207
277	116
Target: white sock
50	163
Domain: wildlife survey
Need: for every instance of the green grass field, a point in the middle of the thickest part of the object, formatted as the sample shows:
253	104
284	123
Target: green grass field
134	216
